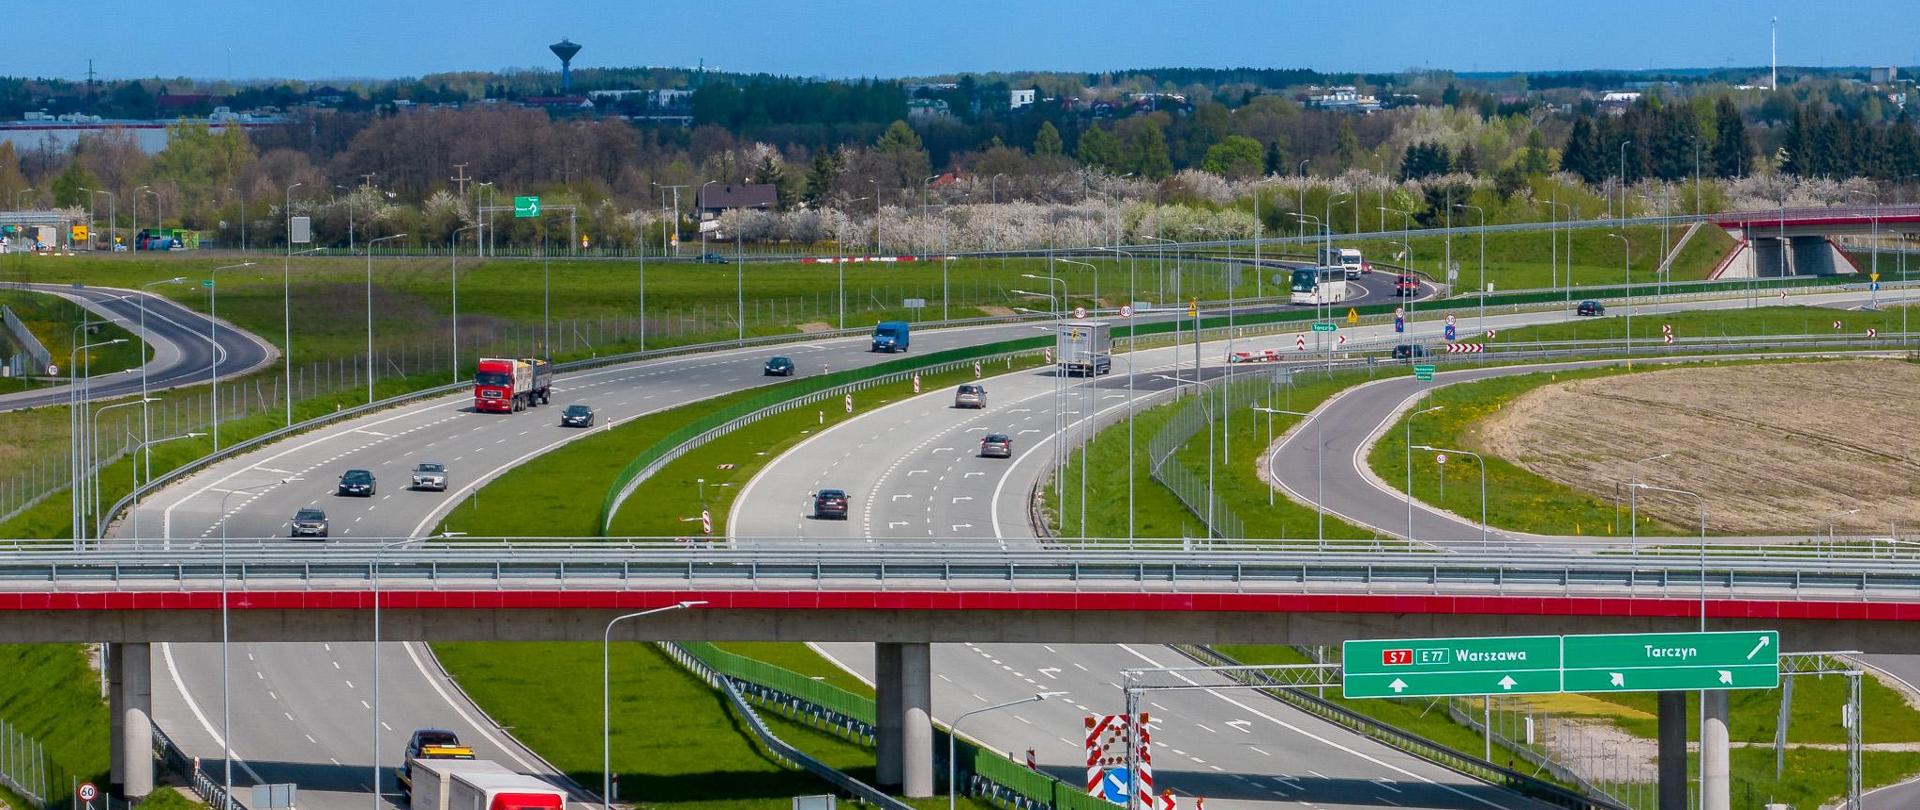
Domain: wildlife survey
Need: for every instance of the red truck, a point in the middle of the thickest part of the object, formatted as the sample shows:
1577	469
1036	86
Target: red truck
502	385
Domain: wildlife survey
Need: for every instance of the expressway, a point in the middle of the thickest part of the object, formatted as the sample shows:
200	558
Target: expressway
294	693
325	686
915	477
182	341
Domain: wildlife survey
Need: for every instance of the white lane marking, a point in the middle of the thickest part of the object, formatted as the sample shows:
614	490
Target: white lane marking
166	654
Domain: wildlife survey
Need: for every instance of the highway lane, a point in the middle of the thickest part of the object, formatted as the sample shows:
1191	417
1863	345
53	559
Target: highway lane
913	470
182	340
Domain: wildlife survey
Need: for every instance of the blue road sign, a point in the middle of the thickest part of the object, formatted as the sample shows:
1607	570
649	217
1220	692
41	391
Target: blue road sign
1399	324
1875	286
1113	787
1451	334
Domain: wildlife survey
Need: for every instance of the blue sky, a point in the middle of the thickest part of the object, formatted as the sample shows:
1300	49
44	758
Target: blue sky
352	38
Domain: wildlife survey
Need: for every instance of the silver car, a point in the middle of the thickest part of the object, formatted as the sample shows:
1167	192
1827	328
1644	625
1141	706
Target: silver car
971	395
430	475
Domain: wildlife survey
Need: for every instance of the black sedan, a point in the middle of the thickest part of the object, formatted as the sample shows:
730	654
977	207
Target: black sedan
779	366
576	416
1590	308
713	258
357	482
830	504
1408	351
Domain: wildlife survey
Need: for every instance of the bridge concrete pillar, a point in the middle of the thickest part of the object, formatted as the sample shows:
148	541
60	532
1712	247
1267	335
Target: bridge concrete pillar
903	692
1716	785
1673	750
130	703
887	715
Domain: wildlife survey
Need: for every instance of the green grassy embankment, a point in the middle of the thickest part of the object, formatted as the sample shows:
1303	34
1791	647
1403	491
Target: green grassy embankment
1157	513
1522	261
54	697
1759	321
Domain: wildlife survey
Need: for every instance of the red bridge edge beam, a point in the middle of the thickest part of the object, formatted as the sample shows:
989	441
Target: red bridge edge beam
972	601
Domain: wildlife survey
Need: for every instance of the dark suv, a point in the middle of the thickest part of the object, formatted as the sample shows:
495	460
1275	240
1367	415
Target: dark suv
996	445
1408	351
308	522
779	366
357	482
1590	308
830	504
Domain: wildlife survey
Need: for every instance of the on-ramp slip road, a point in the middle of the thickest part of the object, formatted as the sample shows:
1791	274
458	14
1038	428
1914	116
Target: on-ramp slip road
183	343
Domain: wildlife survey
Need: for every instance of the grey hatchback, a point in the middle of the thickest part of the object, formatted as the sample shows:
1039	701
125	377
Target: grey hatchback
996	445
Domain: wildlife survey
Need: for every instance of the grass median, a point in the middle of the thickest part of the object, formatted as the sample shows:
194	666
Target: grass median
1157	512
1760	321
1524	261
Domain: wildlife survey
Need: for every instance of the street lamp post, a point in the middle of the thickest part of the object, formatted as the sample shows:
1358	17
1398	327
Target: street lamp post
1319	471
1626	264
145	422
1209	411
606	697
1623	178
133	509
453	249
213	340
1409	442
1833	517
226	687
1483	261
1483	482
1633	498
93	454
286	301
953	731
370	366
1703	542
78	400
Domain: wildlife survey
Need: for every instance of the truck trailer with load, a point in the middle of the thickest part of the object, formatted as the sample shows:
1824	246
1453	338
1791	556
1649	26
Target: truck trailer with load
501	385
1085	349
890	336
477	784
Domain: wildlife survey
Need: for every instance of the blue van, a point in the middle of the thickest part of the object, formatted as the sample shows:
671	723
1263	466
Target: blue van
890	336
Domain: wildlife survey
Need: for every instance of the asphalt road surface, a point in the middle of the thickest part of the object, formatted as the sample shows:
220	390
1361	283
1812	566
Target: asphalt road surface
183	343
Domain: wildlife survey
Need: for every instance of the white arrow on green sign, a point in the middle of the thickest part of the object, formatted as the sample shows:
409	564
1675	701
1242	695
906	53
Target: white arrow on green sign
1432	667
1629	662
526	207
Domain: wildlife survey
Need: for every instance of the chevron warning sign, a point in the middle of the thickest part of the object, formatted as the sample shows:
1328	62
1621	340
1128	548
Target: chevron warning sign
1465	348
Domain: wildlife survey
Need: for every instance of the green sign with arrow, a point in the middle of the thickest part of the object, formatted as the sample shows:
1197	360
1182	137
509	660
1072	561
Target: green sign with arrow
1641	662
526	207
1434	667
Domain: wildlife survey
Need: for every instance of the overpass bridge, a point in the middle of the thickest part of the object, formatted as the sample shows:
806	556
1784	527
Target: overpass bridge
1799	241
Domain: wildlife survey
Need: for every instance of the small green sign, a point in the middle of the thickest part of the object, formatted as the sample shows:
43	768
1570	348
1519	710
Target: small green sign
1325	326
1434	667
206	283
1640	662
1423	372
526	207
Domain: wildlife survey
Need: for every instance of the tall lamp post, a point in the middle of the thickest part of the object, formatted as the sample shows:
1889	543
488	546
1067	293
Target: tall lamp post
93	455
78	400
1409	442
133	509
1626	264
1482	325
1483	482
226	686
145	422
213	340
370	367
1633	498
953	731
453	249
286	299
606	697
1319	471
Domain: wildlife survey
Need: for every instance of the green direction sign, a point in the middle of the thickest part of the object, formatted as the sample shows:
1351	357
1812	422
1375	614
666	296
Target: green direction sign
526	207
206	282
1325	326
1423	372
1436	667
1640	662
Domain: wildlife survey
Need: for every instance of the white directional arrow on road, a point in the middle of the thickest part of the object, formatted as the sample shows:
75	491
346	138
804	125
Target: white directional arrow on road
1617	678
1507	682
1397	686
1760	645
899	497
1051	672
1245	726
1726	676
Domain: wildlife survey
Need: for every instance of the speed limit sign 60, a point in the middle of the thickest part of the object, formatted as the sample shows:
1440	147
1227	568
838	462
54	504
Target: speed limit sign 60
87	792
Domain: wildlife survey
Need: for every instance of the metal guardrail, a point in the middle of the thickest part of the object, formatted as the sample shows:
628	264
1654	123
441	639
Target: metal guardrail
779	748
172	758
1860	569
1403	740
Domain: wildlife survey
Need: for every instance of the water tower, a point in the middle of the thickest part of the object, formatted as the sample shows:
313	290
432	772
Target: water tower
565	49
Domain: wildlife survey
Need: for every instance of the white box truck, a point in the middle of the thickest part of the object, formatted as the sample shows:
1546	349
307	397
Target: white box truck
477	784
1085	348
